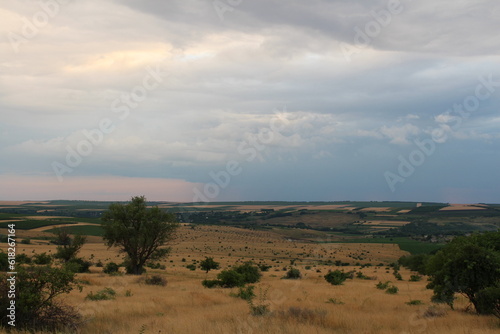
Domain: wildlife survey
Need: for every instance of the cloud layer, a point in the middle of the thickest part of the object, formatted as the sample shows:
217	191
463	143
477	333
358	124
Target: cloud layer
315	100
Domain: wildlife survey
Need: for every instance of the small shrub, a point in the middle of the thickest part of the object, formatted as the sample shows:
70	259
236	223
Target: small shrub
111	268
99	264
191	267
23	259
264	267
415	278
397	275
336	277
392	290
382	286
335	301
245	293
42	259
128	293
156	265
156	280
262	308
293	273
360	275
78	265
414	302
207	283
105	294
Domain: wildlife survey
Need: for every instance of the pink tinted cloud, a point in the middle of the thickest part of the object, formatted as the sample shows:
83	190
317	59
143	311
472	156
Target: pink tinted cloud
101	188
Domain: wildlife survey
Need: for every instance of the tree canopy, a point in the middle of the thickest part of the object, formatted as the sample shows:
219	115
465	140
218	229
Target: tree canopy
467	265
139	231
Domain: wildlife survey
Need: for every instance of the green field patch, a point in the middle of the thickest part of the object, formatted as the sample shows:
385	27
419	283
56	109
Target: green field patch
84	230
405	244
31	224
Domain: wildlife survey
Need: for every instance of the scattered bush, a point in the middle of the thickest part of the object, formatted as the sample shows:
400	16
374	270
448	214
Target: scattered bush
191	267
392	290
78	265
211	283
156	265
360	275
128	293
293	273
262	308
397	275
111	268
335	301
36	308
42	259
336	277
414	302
245	293
415	278
105	294
23	259
382	286
155	280
264	267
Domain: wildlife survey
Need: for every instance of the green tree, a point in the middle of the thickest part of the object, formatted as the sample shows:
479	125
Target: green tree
138	231
68	247
467	265
209	264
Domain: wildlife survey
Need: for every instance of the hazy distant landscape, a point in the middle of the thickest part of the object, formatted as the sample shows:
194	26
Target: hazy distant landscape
363	238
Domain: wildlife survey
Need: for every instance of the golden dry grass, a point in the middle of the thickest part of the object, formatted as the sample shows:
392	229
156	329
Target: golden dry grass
297	306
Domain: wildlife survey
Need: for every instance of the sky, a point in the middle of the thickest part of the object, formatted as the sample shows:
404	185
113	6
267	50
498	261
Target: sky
250	100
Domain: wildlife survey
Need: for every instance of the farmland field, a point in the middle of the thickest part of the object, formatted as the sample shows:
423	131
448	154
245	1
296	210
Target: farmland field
315	241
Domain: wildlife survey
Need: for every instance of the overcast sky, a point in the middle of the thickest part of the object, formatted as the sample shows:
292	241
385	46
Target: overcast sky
195	100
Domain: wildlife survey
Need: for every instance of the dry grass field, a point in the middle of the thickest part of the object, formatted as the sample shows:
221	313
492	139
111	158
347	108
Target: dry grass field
297	306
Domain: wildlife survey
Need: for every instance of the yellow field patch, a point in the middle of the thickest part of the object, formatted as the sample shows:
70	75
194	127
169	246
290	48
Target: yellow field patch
460	207
377	209
44	217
